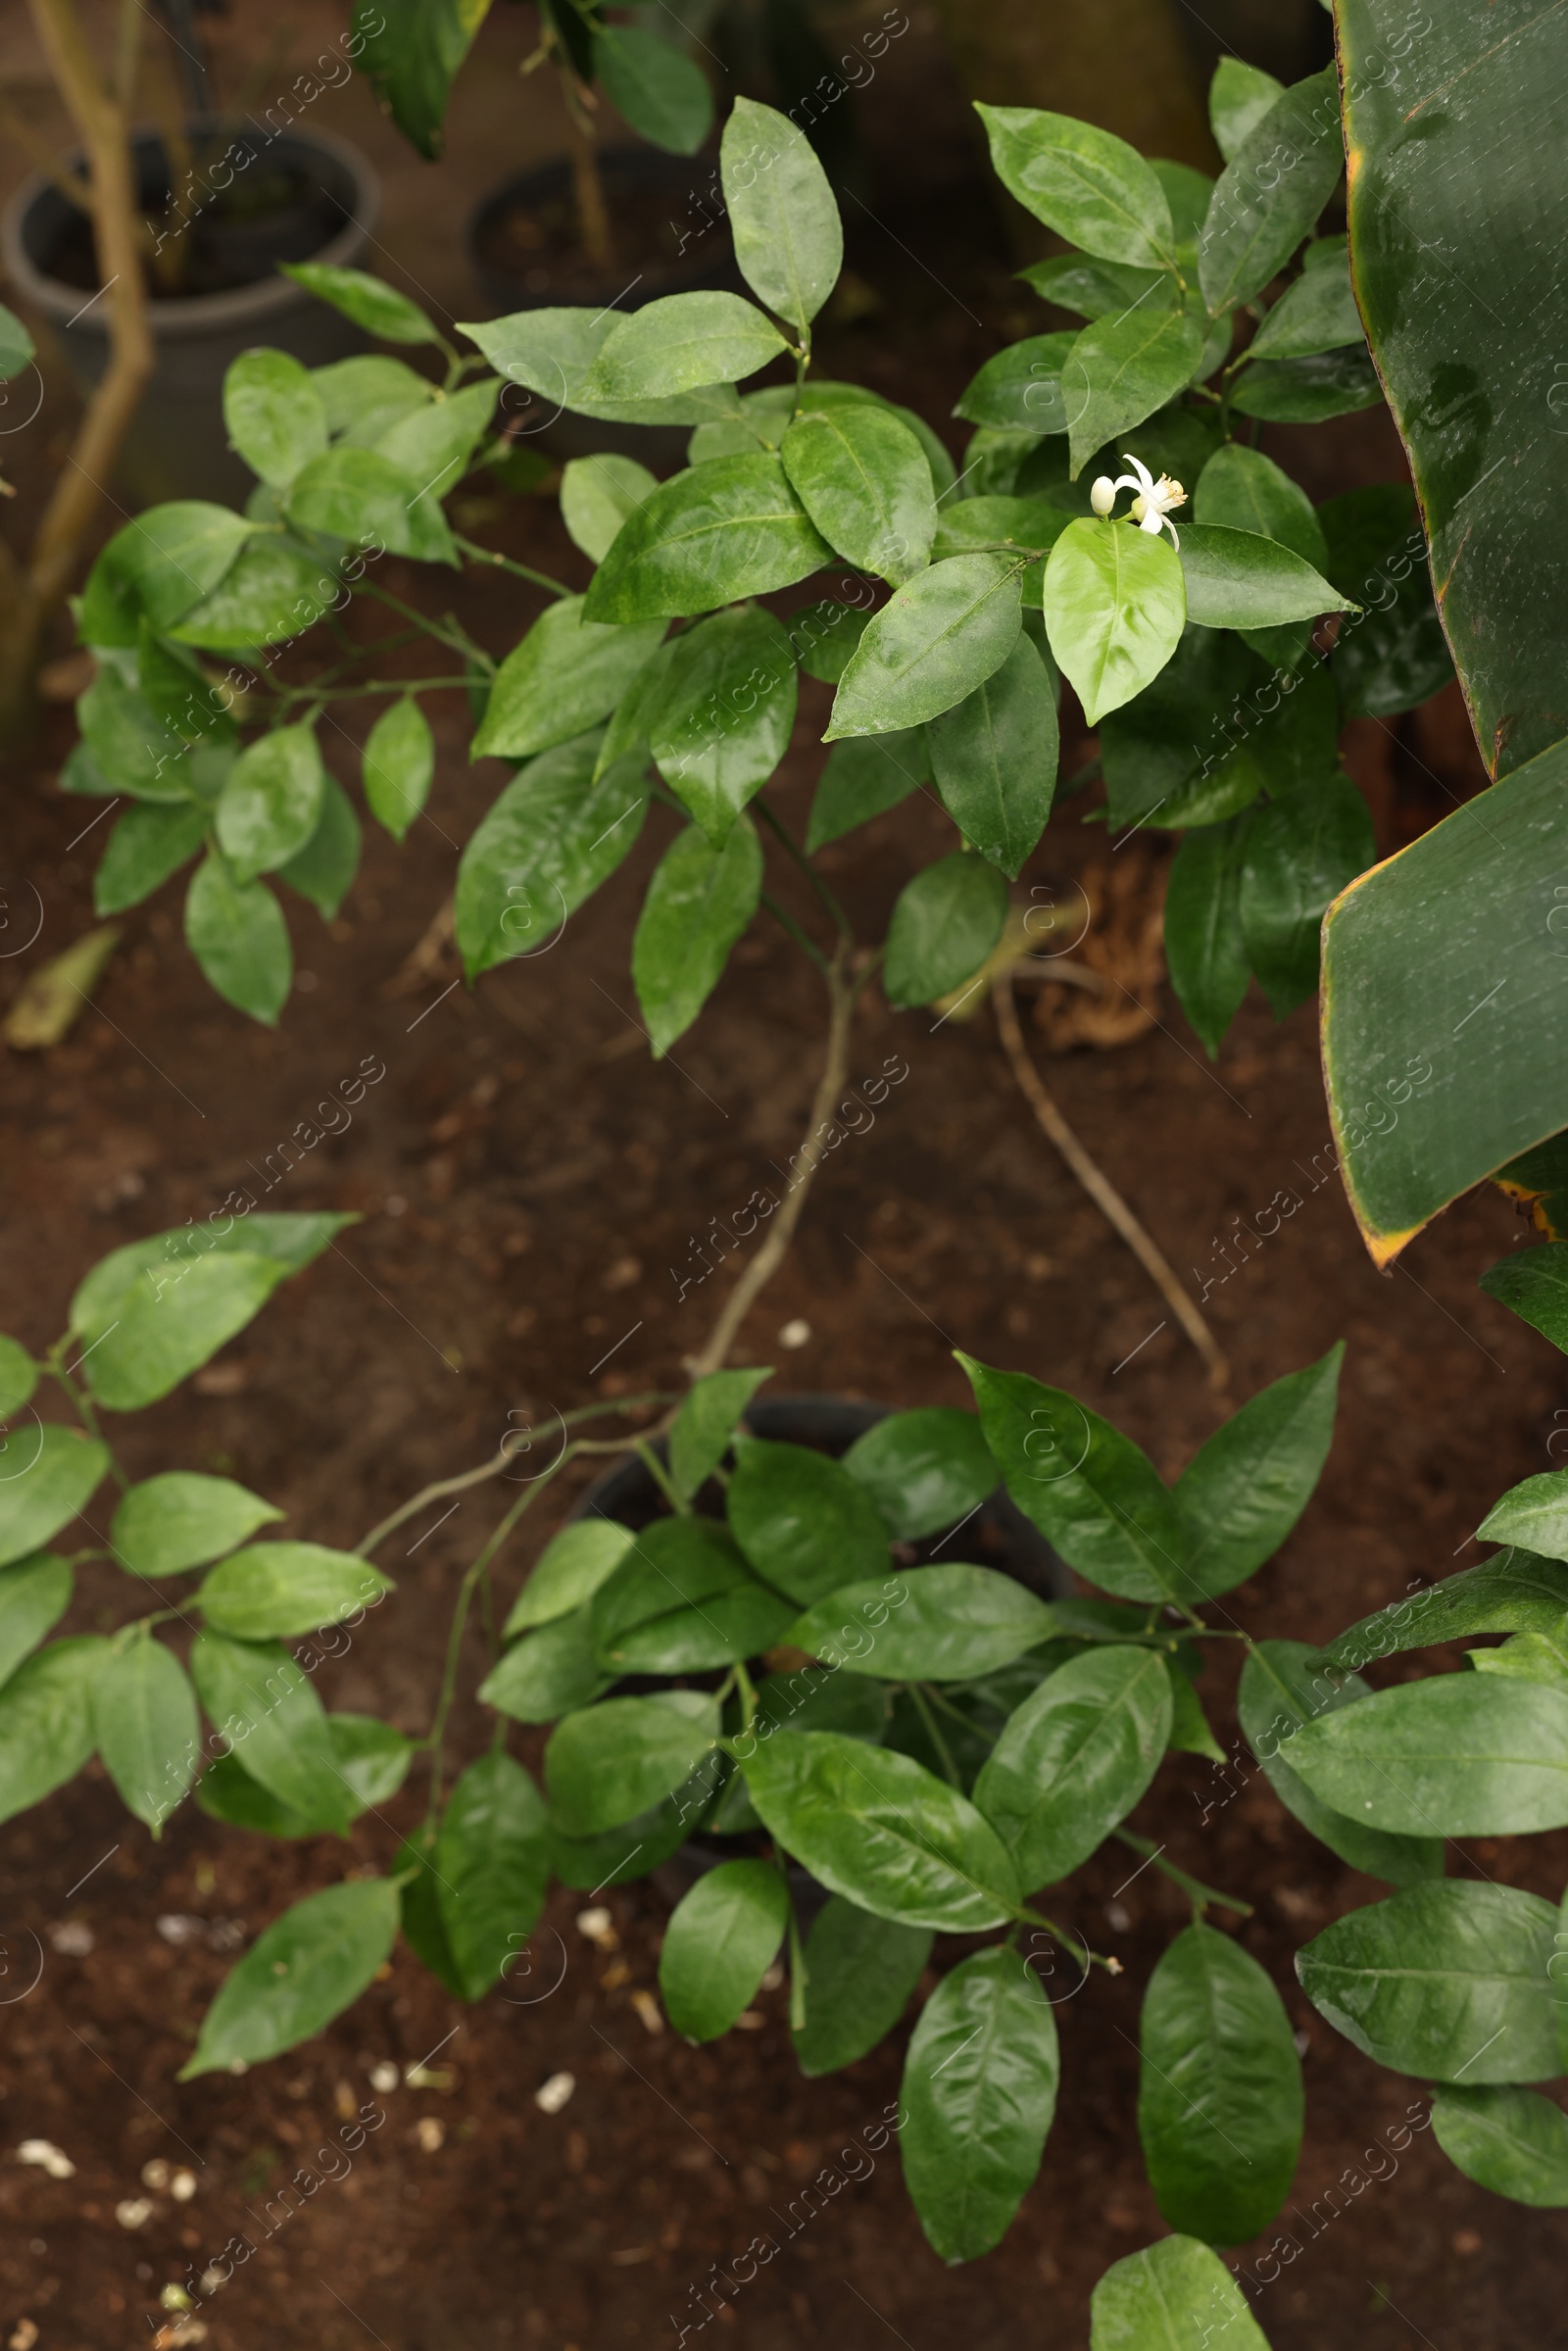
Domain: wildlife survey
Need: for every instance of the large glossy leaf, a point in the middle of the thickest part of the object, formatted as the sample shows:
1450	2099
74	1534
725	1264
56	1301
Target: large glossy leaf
1269	195
882	1831
945	924
492	1868
555	834
728	528
1246	1488
1219	2090
929	1624
1448	1980
721	720
1074	1759
1115	605
995	755
1284	1686
859	1973
943	634
1513	1593
298	1976
274	415
1299	851
683	1600
34	1595
1454	226
788	242
272	1590
1238	97
49	1473
662	91
260	1701
608	1763
720	1940
925	1470
1122	370
551	1672
864	479
46	1725
146	1727
1513	2141
565	677
1088	186
1241	580
1458	1755
977	2101
699	902
1165	2297
678	342
804	1522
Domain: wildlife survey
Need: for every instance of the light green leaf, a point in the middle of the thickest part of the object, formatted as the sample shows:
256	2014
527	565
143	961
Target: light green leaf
1271	192
161	565
1088	186
1239	579
1162	2299
368	301
925	1470
274	1589
1513	2141
1241	489
569	1571
945	924
553	835
367	385
1238	97
683	1600
19	1376
275	414
373	1762
864	479
1459	1755
864	777
270	802
492	1869
147	1728
930	1624
49	1473
788	240
566	676
703	1428
46	1726
721	1938
1243	1490
1284	1686
609	1762
399	764
699	902
1020	389
550	1673
942	634
995	755
720	531
551	352
146	846
356	495
15	345
1114	605
274	589
432	446
1533	1514
722	718
34	1595
1122	370
324	871
260	1701
679	342
1074	1759
977	2101
182	1519
802	1520
1316	312
597	494
661	91
306	1969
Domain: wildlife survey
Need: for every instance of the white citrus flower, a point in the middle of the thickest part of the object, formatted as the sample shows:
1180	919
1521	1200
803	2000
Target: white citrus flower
1154	500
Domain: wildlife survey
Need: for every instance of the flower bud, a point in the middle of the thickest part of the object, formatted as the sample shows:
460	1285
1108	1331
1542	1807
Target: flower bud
1102	496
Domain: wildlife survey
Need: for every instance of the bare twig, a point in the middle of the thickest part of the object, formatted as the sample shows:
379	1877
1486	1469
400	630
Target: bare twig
1106	1198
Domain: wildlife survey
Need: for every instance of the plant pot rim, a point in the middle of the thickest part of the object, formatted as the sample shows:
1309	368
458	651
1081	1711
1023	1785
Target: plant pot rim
197	315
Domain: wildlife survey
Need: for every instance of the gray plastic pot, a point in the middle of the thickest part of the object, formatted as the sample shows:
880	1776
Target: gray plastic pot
176	446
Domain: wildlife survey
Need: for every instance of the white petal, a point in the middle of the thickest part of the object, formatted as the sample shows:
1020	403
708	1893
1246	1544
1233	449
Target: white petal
1146	480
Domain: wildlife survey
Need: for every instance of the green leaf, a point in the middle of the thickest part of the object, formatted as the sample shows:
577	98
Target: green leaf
730	528
274	590
1448	1980
147	1728
1513	2141
274	1589
34	1595
1459	1755
609	1762
551	1673
1122	370
1512	1592
1243	1490
51	1474
701	1434
1289	730
1300	854
682	1601
1530	1657
182	1519
1238	97
597	494
15	345
565	677
1020	389
553	835
1115	605
864	479
552	351
679	342
275	414
271	802
368	301
306	1969
634	1849
977	2101
492	1868
134	746
19	1376
432	446
935	1624
1190	1732
1088	186
802	1520
410	51
569	1570
1088	1489
1447	284
324	871
1076	282
661	91
788	241
995	755
945	924
419	1914
721	1938
1316	312
722	717
1271	192
1028	524
942	634
46	1726
862	778
1241	489
1219	2092
1307	391
146	846
1392	653
368	390
1205	951
1284	1686
824	637
925	1470
1239	579
880	1830
699	903
859	1974
161	565
1074	1759
267	1707
399	763
1162	2299
1160	751
1533	1514
358	495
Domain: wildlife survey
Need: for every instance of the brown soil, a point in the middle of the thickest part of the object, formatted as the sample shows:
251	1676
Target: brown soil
528	1180
218	243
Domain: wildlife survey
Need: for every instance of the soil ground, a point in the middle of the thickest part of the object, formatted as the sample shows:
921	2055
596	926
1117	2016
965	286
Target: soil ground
528	1180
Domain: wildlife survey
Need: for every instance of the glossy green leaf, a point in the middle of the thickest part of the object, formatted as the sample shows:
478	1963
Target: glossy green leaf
864	479
681	341
1513	1593
618	1856
51	1473
553	835
1205	952
46	1725
274	1589
274	590
722	718
1161	750
730	528
1446	1981
1241	489
1114	606
995	755
1238	97
1092	1493
146	846
492	1868
552	353
1316	312
1088	186
789	244
1122	370
824	637
368	301
1074	1759
1095	289
270	802
1190	1731
1391	653
1282	739
931	1624
306	1969
182	1519
19	1376
411	49
1457	1756
1282	1686
941	635
420	1908
802	1520
1533	1514
944	923
1021	390
1271	192
566	676
399	765
260	1701
1219	2093
569	1571
146	1728
34	1595
881	1832
1239	579
1307	391
699	903
550	1673
859	1974
133	746
369	388
356	495
925	1470
700	1436
864	777
1300	854
721	1938
173	1320
1164	2298
1530	1657
324	871
161	564
1513	2141
977	2101
597	494
683	1600
274	415
1245	1488
1533	1285
661	91
609	1762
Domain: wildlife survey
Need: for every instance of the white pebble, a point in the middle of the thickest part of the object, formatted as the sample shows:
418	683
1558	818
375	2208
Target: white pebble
431	2132
183	2186
134	2211
551	2095
596	1925
155	2175
73	1940
796	1333
48	2157
178	1926
384	2078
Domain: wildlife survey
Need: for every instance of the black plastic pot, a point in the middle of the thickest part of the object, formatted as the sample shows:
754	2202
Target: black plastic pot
176	446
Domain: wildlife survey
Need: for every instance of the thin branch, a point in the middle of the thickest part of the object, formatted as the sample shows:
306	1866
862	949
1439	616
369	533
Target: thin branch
1201	1897
1106	1198
488	554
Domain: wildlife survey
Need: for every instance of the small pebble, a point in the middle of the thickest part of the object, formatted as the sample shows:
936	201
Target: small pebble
48	2157
1119	1917
596	1925
73	1940
384	2078
1466	2241
551	2095
134	2211
751	2020
648	2009
155	2175
183	2186
431	2132
23	2335
212	2280
796	1333
772	1978
175	2297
